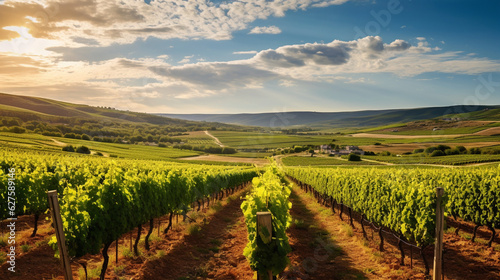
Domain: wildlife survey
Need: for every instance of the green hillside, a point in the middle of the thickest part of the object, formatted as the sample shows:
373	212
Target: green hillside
32	115
326	120
40	109
490	114
408	115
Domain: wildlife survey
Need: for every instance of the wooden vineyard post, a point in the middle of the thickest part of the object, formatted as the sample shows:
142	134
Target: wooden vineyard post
438	250
130	247
116	252
61	241
265	229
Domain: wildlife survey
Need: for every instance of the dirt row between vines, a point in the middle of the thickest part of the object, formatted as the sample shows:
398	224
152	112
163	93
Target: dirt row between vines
463	259
181	254
211	246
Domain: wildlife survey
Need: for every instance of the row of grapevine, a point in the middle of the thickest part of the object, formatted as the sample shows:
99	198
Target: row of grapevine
404	200
101	199
37	173
474	196
270	193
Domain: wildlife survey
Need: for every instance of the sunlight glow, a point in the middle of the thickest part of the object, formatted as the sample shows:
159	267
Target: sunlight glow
26	44
23	31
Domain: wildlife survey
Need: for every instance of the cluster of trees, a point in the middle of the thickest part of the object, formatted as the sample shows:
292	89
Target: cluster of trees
92	130
294	149
78	127
206	149
444	150
81	149
354	157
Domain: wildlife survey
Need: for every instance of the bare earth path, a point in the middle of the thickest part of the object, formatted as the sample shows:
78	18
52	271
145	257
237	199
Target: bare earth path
215	138
317	252
214	251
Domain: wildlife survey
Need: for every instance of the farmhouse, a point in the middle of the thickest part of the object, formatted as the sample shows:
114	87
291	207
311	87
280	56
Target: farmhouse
347	150
325	148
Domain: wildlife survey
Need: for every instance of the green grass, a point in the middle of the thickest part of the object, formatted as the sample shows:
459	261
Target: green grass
92	273
160	254
25	248
371	129
127	253
315	161
193	229
119	270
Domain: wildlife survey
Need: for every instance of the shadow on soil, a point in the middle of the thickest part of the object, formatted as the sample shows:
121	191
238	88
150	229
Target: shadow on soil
188	259
315	255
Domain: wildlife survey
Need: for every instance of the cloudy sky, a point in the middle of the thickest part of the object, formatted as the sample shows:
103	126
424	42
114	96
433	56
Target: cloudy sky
199	56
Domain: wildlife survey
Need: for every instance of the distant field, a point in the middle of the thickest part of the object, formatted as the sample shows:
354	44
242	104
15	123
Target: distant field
46	143
198	138
235	160
442	160
442	128
315	161
254	140
410	147
250	154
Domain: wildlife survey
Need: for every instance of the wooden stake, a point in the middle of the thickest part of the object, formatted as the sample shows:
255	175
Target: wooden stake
438	250
265	231
61	240
116	261
131	241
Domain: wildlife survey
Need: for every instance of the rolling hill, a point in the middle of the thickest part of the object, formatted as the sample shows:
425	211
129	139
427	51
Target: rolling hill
346	119
28	108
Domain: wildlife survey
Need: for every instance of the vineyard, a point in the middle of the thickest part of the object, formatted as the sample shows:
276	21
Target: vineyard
404	200
443	160
105	202
101	200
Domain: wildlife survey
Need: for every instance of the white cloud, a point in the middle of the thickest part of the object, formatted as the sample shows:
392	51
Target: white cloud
421	38
143	80
123	22
245	52
329	3
423	46
265	30
186	59
403	26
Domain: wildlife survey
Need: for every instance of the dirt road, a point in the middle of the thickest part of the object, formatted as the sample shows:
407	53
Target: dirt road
215	138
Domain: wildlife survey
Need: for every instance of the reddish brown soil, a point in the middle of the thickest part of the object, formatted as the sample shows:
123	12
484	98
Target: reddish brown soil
316	253
463	259
323	247
215	252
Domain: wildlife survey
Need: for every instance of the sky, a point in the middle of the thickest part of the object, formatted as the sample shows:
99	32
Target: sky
244	56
